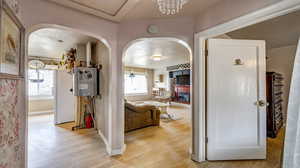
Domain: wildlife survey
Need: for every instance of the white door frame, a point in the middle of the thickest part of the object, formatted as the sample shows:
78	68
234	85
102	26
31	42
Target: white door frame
194	97
272	11
55	97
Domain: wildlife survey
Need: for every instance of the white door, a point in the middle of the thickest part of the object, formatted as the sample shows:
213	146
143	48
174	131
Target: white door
236	112
65	100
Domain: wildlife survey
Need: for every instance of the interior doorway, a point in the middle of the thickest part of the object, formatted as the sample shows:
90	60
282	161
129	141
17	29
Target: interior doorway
55	120
158	84
278	68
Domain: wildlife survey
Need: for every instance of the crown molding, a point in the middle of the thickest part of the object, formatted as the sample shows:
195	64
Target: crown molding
113	16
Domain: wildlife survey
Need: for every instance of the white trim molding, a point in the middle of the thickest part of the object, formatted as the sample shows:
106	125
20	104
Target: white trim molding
33	113
114	152
70	28
281	8
104	139
195	86
115	16
109	150
291	145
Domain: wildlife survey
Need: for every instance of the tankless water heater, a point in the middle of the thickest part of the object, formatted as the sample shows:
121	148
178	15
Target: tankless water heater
85	81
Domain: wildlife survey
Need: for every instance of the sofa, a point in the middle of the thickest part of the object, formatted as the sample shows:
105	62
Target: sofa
140	116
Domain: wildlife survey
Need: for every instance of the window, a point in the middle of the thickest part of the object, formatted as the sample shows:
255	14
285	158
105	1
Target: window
43	89
136	84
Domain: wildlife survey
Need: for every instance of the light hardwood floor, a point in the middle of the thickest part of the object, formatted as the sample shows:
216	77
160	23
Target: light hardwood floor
166	146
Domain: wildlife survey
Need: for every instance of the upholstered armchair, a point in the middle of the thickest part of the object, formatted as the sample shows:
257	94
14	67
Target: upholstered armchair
140	116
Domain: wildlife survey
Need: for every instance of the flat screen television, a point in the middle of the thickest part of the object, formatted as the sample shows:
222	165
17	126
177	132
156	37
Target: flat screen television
183	80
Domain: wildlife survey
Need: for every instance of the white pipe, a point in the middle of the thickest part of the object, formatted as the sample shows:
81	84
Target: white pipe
88	54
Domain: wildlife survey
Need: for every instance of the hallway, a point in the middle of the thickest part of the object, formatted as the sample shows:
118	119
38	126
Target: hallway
59	147
53	146
166	146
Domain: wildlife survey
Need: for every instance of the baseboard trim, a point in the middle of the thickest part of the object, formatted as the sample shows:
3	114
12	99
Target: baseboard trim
40	113
114	152
109	150
103	138
181	104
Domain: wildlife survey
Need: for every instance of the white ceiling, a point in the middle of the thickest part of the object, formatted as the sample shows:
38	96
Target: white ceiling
45	42
140	53
118	10
278	32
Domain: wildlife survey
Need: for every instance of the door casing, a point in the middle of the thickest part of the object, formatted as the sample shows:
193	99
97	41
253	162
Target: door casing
266	13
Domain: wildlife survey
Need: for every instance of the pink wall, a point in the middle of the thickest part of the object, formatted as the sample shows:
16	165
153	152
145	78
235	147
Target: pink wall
227	10
181	28
34	12
12	124
37	12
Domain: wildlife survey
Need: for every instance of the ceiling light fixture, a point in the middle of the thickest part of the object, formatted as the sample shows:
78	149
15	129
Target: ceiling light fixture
131	75
156	57
37	65
170	7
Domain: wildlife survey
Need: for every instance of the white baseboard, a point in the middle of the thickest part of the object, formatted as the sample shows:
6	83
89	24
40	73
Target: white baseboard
181	104
109	150
40	113
113	152
103	138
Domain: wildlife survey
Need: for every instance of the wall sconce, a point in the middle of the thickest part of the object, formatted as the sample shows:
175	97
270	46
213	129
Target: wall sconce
161	78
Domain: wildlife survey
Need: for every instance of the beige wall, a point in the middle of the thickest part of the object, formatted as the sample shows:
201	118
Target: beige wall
35	12
281	60
150	79
40	105
227	10
165	84
40	14
101	56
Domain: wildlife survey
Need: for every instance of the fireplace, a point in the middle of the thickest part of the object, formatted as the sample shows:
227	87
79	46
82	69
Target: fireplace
182	94
180	86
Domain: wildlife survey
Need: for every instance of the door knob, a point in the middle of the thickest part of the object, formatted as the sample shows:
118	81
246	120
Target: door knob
260	103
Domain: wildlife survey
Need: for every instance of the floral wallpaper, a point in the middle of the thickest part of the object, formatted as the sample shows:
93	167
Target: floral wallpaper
11	133
12	117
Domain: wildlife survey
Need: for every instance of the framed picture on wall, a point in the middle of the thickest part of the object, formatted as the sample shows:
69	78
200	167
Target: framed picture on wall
11	43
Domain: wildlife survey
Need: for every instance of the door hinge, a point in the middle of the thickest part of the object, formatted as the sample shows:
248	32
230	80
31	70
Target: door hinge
206	53
206	139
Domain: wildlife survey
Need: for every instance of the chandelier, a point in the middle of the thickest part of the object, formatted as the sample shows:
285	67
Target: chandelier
37	65
170	7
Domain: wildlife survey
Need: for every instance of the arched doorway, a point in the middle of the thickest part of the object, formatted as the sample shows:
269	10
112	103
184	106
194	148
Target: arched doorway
47	140
146	58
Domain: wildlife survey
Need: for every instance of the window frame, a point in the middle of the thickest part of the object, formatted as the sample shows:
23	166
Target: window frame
43	97
137	94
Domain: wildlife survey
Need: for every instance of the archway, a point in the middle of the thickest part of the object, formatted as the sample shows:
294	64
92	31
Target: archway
102	105
192	76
